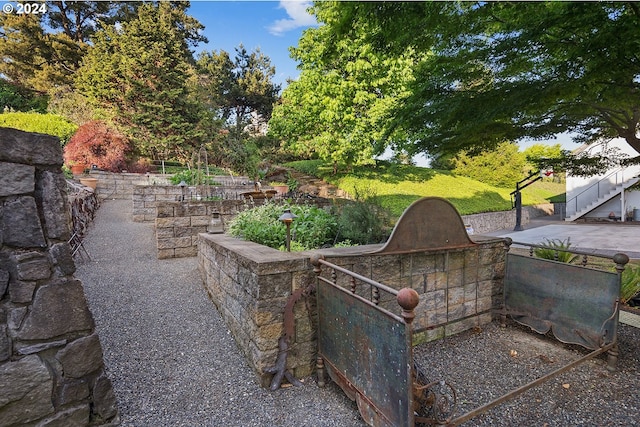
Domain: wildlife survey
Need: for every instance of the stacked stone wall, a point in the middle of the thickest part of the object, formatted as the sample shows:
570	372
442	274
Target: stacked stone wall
51	366
121	185
492	221
147	198
83	203
250	284
178	225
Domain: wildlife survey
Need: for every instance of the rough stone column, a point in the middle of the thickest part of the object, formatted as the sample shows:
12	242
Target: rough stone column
51	365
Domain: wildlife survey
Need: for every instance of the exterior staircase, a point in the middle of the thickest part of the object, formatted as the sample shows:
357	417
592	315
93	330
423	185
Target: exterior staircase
307	184
601	199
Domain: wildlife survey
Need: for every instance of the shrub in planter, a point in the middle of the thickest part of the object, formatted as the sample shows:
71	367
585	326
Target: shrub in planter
193	177
630	287
362	222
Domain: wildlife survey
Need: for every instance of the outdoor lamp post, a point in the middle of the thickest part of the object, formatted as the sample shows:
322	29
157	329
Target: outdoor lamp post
287	218
182	185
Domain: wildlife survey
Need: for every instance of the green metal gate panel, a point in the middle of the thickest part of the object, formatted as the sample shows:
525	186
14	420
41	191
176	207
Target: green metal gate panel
578	304
368	350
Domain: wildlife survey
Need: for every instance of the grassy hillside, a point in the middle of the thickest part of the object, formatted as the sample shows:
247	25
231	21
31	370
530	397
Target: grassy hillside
397	186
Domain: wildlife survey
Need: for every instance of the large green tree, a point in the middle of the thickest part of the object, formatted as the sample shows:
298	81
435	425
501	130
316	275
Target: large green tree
507	70
337	108
240	90
498	71
140	73
238	93
502	167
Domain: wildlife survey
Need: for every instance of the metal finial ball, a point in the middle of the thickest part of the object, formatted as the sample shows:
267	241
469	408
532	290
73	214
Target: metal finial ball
620	259
408	299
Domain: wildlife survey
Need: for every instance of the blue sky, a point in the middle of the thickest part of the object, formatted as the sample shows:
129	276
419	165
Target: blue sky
272	26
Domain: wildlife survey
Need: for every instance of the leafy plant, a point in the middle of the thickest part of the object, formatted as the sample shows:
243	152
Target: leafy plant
49	124
260	225
14	97
630	286
501	167
313	227
362	222
292	183
193	177
556	249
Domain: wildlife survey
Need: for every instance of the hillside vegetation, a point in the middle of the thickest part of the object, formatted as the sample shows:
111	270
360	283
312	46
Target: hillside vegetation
395	186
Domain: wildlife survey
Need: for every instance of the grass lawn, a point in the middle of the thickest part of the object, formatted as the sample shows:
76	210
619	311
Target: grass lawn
397	186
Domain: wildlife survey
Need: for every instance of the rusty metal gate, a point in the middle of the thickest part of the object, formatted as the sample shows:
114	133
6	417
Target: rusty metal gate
365	348
579	304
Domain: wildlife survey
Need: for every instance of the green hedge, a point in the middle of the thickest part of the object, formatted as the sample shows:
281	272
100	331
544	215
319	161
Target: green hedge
49	124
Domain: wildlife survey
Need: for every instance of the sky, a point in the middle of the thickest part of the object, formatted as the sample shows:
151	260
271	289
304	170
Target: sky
272	26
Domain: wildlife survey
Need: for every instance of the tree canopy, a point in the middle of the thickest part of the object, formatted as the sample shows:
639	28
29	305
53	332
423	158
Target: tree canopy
338	107
480	73
504	71
41	59
238	88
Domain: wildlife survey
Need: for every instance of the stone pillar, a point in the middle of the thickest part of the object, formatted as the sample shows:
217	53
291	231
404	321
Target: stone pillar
51	365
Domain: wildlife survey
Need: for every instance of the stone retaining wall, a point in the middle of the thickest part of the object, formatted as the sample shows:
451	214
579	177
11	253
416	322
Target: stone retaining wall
51	366
250	284
83	204
147	198
147	191
121	185
492	221
178	225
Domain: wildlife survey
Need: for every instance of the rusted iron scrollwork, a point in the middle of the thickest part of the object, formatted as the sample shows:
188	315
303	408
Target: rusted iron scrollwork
434	402
279	370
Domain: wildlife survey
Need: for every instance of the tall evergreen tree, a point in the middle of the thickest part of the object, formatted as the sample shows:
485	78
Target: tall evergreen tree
239	89
40	59
140	72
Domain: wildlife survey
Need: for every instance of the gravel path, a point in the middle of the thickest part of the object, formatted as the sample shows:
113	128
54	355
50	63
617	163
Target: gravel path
167	351
173	362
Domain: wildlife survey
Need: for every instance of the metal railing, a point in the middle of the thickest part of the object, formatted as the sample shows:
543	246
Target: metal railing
601	188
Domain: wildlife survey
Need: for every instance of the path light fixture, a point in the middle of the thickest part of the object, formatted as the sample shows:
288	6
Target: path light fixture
182	185
287	218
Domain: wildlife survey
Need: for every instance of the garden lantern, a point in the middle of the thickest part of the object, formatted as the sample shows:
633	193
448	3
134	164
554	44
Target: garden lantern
182	185
287	218
215	225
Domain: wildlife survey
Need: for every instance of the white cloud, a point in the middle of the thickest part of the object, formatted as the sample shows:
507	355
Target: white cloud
298	17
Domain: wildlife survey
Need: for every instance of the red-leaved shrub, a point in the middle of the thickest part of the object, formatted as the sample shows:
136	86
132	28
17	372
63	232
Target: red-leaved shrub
95	143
